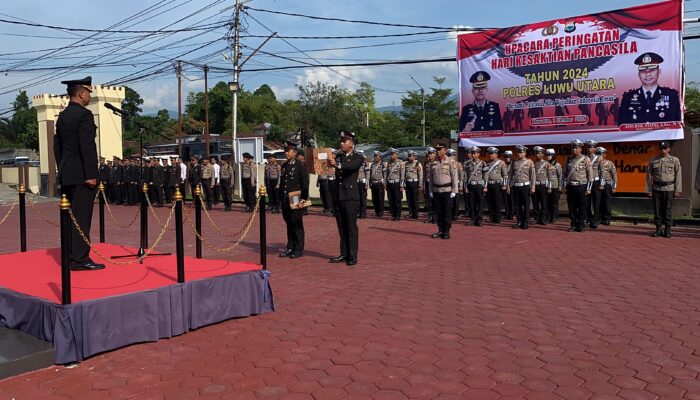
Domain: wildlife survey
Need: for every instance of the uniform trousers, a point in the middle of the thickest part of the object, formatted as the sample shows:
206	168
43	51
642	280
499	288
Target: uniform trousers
476	202
248	192
193	187
508	204
605	202
116	193
124	192
81	203
168	191
593	202
494	199
378	198
412	198
206	191
362	187
395	195
323	191
273	194
225	185
663	210
346	219
426	198
539	203
521	203
330	189
443	211
294	219
553	204
576	201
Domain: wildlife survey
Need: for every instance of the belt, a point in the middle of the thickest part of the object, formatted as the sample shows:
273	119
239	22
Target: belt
596	179
476	182
331	179
394	181
411	180
662	184
362	180
540	183
377	182
443	185
577	183
520	184
495	182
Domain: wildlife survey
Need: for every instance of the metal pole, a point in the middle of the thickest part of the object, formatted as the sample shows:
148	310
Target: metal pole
234	111
206	109
65	250
422	93
179	244
101	191
179	108
263	227
198	220
144	222
22	219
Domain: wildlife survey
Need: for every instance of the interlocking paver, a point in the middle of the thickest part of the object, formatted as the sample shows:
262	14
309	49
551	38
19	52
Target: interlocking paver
468	318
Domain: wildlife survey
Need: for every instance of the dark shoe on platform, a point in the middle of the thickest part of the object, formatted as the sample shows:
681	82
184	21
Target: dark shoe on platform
524	226
657	232
351	263
478	223
338	259
541	222
446	235
667	232
296	255
470	223
436	235
88	266
515	226
287	253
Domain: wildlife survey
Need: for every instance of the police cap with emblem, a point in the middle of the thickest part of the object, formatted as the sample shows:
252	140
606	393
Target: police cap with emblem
288	145
439	146
648	61
412	153
430	150
591	143
601	150
377	153
85	83
451	152
475	149
665	144
480	79
520	147
550	152
347	135
247	155
538	149
492	150
576	143
508	153
393	150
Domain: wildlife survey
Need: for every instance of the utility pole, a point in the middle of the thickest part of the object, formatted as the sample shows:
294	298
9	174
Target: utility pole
234	88
206	108
179	109
422	95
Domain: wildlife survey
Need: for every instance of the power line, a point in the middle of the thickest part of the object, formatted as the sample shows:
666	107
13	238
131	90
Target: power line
350	37
63	28
366	64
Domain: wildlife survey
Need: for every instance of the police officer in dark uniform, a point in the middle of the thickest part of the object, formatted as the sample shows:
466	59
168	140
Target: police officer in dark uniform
104	173
650	102
194	175
346	198
173	177
75	152
295	177
481	115
136	181
114	178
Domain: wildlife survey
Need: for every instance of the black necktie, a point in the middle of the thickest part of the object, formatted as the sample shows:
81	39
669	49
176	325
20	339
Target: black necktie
648	99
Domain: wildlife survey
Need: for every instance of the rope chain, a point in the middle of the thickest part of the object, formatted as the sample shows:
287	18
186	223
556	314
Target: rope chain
114	220
153	212
12	207
216	227
40	214
229	249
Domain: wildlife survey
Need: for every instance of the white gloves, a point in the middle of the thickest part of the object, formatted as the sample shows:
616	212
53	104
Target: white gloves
452	195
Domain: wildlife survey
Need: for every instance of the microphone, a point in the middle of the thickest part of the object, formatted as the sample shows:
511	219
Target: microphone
116	110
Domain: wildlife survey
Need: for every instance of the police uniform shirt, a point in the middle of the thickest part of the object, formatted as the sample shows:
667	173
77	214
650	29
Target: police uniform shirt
664	174
376	172
395	172
662	106
443	176
104	173
485	118
295	177
521	172
608	174
363	173
249	171
474	173
555	176
542	172
195	174
496	171
272	173
414	172
595	164
75	150
578	170
207	172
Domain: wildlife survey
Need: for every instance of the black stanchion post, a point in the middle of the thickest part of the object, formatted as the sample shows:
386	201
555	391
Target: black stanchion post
100	194
22	218
198	220
263	227
65	250
144	221
179	244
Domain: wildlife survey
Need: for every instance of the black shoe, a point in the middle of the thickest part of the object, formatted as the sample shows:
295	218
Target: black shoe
593	225
541	222
516	226
88	266
667	232
351	263
478	223
446	235
436	235
287	253
470	223
657	232
579	229
571	229
338	259
296	255
524	226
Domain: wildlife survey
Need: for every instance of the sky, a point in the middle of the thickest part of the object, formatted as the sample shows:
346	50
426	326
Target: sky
111	57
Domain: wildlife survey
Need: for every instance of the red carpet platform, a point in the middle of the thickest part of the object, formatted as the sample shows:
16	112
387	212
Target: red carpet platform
127	304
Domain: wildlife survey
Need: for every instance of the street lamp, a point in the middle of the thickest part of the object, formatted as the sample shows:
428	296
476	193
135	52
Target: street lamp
422	95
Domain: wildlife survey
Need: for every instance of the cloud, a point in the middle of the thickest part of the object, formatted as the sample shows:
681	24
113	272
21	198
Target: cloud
164	96
340	77
285	93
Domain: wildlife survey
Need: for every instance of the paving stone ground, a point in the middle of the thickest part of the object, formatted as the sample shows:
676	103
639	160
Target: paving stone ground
493	313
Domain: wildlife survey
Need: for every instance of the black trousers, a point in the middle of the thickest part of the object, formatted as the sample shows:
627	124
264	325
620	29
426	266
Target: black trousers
323	191
443	211
216	193
553	204
168	191
467	204
494	199
116	193
539	203
378	198
225	185
663	207
426	198
206	191
330	189
248	192
346	219
395	195
593	208
412	198
81	203
155	193
124	193
294	219
508	204
605	202
576	201
182	190
521	203
272	192
362	187
476	202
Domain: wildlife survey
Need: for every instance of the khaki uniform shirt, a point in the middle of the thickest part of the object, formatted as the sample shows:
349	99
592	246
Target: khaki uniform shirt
579	171
442	176
250	171
496	172
595	164
522	173
376	173
556	180
395	172
608	174
207	171
414	172
664	174
542	173
273	174
473	173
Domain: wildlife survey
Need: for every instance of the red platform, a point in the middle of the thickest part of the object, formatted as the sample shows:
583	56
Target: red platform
38	273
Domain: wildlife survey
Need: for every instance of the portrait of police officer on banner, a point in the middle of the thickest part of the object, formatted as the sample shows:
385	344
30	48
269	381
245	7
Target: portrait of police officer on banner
650	102
481	115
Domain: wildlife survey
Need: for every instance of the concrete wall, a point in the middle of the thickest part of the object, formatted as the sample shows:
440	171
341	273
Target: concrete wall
11	175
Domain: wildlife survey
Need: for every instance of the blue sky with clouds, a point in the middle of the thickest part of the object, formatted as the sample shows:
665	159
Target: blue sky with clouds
120	55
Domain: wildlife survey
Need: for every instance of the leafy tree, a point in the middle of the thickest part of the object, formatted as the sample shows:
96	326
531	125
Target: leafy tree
692	97
441	110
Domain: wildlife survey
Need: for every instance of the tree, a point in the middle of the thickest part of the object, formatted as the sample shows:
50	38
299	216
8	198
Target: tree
22	129
692	97
441	110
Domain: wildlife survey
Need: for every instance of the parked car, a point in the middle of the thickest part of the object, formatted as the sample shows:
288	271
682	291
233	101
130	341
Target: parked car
403	153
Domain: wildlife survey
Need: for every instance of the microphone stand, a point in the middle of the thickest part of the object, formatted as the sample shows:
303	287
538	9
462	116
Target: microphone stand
143	240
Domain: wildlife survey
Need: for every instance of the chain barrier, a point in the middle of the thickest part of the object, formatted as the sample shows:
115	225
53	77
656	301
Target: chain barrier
111	215
155	215
229	249
216	227
40	214
12	207
107	258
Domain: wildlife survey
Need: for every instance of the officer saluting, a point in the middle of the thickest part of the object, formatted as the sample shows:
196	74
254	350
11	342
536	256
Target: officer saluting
75	152
481	115
650	102
295	177
663	184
